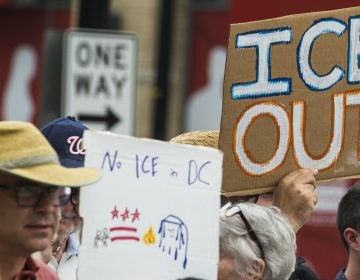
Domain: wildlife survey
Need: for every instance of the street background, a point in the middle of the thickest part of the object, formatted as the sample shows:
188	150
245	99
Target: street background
180	59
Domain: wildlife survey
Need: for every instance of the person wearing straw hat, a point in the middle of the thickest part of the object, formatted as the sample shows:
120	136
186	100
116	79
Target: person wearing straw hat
33	185
299	183
65	136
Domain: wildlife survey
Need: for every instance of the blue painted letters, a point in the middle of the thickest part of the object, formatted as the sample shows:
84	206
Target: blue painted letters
311	79
263	86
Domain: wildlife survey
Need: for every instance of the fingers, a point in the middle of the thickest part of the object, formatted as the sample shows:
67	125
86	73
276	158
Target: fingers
296	197
308	194
316	199
309	186
307	176
300	176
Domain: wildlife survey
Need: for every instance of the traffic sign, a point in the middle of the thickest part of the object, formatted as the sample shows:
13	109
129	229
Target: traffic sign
99	79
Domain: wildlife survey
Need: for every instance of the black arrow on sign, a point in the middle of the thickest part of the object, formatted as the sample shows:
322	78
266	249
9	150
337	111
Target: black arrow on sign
110	118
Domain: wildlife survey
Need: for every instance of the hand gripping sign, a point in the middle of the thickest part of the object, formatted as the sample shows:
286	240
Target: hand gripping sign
291	96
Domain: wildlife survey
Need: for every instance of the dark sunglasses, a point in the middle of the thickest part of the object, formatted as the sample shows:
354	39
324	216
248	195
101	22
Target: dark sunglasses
249	229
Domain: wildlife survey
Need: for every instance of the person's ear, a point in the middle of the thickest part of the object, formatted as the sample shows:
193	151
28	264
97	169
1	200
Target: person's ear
226	268
259	266
352	238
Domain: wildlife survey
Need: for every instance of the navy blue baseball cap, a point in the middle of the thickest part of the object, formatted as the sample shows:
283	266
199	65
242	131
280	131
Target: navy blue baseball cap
65	136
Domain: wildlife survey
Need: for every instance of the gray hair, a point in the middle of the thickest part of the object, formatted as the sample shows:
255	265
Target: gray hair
274	233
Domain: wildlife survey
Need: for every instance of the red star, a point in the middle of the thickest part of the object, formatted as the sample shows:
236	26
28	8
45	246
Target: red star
135	215
125	215
115	213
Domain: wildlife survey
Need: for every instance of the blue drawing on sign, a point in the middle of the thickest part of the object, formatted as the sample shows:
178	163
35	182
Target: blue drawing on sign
174	238
111	162
194	173
173	173
146	165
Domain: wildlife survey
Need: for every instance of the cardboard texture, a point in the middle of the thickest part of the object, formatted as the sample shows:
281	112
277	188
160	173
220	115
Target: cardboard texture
154	214
291	82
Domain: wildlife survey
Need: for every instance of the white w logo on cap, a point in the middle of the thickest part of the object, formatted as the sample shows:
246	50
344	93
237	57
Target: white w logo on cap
76	145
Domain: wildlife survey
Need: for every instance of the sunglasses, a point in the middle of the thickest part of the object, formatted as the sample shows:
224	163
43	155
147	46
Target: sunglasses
236	210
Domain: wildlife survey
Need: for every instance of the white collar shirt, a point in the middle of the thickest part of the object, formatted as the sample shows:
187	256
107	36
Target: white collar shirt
66	269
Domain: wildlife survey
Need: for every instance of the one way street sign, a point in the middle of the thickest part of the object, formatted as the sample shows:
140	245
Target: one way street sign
109	118
99	79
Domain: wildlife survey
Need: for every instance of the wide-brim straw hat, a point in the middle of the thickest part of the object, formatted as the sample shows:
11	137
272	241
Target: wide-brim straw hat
208	138
198	138
25	152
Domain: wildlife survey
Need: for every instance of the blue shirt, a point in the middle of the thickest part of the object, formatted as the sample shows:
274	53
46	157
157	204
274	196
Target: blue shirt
73	244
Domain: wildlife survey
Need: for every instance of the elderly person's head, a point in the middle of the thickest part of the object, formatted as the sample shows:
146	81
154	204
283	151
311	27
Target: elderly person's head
256	242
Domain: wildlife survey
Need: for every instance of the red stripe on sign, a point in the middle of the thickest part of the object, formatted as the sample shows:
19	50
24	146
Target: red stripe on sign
125	238
124	228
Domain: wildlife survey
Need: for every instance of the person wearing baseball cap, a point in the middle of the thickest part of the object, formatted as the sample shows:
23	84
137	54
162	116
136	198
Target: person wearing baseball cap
33	185
65	135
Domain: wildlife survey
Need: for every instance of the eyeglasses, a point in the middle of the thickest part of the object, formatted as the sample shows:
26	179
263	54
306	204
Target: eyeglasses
74	197
28	196
249	229
240	199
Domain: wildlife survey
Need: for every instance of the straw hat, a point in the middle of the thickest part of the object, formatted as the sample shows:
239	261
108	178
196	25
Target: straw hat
211	139
198	138
26	153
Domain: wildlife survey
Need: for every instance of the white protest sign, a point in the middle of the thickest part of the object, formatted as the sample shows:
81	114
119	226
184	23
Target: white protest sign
155	212
99	79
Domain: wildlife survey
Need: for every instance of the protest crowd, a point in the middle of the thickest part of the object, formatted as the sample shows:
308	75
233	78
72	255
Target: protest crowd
41	224
63	207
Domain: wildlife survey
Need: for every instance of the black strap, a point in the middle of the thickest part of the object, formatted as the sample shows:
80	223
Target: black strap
302	271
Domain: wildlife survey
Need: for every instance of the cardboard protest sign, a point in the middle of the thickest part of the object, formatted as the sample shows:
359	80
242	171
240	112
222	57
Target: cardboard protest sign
291	99
155	212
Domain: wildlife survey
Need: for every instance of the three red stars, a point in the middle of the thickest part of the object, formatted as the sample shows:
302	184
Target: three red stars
126	214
